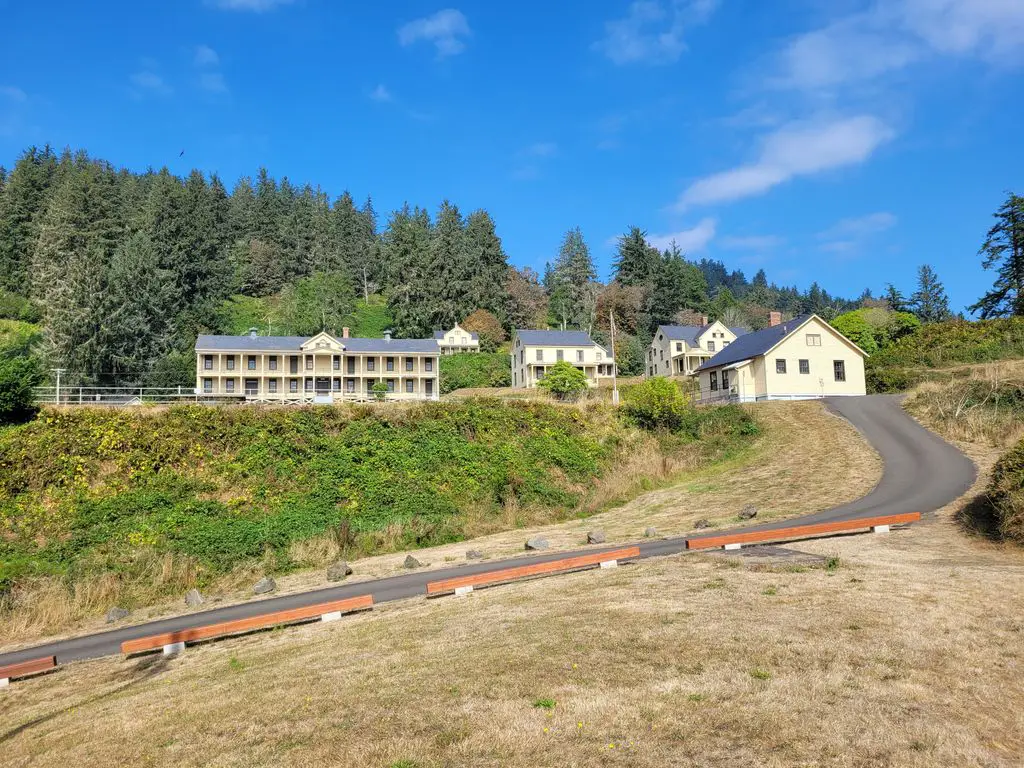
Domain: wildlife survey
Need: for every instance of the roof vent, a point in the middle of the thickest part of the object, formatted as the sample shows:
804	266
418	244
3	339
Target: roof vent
387	335
253	332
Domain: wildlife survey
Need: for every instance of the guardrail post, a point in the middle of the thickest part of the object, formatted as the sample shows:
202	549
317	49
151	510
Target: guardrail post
609	564
330	616
173	649
735	545
461	591
880	529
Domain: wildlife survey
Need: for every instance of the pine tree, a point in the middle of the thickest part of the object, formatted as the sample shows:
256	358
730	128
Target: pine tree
572	289
636	263
22	206
679	285
488	265
1003	250
450	269
895	299
929	301
138	312
406	246
73	334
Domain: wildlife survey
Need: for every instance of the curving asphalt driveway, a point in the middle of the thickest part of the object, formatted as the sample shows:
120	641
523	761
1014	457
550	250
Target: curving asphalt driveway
922	473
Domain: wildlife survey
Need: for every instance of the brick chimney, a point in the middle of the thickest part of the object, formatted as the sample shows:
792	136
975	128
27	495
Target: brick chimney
703	319
774	318
344	332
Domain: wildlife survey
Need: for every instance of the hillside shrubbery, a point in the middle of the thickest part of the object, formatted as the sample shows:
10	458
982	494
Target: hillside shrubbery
1006	494
472	370
904	363
95	491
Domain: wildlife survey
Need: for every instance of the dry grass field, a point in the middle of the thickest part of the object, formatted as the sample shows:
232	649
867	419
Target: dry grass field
899	650
785	474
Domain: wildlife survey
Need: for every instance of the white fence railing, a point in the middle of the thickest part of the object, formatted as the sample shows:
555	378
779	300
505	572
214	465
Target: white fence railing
132	396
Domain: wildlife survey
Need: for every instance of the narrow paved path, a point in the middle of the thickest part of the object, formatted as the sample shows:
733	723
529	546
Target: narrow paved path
922	473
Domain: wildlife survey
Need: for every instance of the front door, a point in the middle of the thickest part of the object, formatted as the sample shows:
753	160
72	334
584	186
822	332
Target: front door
323	385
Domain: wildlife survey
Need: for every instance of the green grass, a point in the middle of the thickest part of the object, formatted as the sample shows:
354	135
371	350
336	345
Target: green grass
472	370
87	491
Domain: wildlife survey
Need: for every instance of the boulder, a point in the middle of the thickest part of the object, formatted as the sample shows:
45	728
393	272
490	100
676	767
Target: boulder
264	585
193	599
748	512
338	571
116	614
595	537
411	562
537	542
650	533
702	523
474	554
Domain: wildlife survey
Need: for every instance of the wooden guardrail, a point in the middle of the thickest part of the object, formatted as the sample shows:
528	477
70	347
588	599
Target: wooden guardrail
26	668
173	642
737	539
460	585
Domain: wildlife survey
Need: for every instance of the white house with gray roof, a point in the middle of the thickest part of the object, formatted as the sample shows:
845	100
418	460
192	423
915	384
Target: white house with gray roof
533	352
457	340
321	368
793	359
679	350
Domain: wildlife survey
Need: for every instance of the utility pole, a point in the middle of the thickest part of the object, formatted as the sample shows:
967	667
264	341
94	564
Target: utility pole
58	371
615	365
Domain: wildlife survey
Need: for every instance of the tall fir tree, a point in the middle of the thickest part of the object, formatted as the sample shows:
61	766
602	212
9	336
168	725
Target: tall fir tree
572	290
450	270
636	261
488	266
406	245
1003	250
138	312
22	206
679	285
929	301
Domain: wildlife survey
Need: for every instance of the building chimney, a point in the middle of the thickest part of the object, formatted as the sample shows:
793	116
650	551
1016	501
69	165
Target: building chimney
774	318
387	335
253	332
344	332
703	319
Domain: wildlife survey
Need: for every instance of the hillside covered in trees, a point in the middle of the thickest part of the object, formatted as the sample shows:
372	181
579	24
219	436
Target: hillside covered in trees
122	270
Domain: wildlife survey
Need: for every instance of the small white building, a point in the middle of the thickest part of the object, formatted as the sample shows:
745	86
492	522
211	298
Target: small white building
533	352
457	340
795	359
679	350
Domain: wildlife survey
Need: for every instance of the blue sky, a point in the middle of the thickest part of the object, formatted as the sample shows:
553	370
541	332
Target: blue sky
836	140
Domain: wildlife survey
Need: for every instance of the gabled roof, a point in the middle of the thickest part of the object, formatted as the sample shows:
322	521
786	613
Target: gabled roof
294	344
555	338
441	334
690	333
761	342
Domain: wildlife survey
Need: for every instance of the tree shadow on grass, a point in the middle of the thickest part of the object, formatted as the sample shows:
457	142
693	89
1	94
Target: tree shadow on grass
144	668
978	518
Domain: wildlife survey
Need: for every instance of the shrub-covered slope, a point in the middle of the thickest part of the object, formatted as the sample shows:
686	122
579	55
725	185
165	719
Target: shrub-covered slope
96	491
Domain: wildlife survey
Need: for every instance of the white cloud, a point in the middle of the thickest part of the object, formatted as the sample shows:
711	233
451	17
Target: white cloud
796	149
205	56
541	149
150	81
688	240
213	82
751	242
445	29
861	226
13	93
256	6
893	35
652	31
381	94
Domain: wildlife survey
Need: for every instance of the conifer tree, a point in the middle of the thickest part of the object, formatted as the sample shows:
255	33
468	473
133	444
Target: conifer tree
929	301
1003	250
573	295
637	262
488	266
22	205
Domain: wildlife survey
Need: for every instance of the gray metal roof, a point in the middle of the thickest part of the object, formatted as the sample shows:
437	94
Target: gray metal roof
294	344
441	334
690	333
754	344
556	338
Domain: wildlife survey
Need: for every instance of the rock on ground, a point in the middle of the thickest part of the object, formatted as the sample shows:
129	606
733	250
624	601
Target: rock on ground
537	542
264	585
411	562
338	571
116	614
474	554
702	523
193	599
595	537
748	512
650	532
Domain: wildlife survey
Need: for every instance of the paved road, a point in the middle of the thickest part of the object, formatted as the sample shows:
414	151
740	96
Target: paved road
922	473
